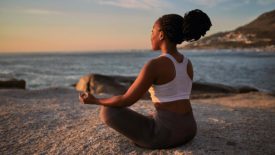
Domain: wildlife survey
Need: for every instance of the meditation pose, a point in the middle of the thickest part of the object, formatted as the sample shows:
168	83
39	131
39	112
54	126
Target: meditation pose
168	78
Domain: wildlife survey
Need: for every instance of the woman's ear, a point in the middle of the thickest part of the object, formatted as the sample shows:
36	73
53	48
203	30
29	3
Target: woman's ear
161	35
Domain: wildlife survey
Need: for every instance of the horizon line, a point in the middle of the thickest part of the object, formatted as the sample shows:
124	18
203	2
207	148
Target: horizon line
74	51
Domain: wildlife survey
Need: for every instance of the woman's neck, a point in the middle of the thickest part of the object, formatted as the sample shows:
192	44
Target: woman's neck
169	49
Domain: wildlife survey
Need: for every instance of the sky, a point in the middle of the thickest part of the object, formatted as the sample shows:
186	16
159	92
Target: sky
107	25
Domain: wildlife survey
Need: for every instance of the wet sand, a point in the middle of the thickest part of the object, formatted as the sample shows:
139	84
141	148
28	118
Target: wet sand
51	121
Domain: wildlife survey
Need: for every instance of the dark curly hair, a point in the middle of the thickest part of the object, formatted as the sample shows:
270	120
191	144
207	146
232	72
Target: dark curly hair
191	27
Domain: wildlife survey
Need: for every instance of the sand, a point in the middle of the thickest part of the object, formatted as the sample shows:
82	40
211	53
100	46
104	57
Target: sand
51	121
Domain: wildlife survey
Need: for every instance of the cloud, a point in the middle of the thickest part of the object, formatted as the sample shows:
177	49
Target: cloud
32	11
262	2
208	3
135	4
41	12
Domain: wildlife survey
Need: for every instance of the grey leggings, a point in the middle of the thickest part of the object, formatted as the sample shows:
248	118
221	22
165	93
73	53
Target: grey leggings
164	130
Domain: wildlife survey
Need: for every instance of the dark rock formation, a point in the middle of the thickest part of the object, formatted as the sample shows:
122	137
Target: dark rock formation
211	88
96	83
199	87
246	89
117	85
8	82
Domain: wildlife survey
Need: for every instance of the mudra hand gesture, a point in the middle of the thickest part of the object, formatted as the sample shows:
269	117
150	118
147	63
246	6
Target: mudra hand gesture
87	98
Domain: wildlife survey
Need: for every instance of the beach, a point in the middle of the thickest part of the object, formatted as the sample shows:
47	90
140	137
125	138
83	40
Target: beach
234	112
52	121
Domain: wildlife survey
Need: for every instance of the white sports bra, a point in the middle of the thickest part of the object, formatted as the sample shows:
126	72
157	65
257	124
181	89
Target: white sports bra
179	88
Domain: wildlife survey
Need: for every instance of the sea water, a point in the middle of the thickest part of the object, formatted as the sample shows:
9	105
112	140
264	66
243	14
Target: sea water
235	68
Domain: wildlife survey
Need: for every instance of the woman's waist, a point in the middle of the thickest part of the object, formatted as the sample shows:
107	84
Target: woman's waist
181	107
175	120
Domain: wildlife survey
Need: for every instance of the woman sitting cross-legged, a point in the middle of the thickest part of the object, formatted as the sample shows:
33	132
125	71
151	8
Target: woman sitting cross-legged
168	78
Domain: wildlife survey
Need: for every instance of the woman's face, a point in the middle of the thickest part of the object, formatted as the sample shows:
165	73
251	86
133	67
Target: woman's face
156	36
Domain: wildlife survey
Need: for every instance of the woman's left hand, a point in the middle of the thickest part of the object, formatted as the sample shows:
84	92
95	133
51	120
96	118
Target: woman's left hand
87	98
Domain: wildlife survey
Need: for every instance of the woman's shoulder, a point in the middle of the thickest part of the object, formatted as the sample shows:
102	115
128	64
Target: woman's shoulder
160	60
159	64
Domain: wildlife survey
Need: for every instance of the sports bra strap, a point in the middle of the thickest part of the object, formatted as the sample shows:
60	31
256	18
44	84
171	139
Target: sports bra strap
173	59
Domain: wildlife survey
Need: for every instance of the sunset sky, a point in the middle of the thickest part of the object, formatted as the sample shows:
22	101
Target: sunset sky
92	25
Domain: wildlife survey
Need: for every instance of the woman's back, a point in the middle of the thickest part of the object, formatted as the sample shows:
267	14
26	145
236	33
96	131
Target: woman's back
171	90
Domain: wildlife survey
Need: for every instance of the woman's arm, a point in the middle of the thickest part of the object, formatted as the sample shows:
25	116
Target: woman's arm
136	90
190	69
134	93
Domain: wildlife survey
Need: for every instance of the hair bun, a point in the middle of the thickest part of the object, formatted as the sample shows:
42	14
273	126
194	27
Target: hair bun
195	24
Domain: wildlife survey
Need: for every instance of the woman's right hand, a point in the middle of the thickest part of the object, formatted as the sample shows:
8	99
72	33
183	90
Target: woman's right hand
87	98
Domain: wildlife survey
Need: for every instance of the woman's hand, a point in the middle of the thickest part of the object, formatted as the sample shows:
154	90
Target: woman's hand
87	98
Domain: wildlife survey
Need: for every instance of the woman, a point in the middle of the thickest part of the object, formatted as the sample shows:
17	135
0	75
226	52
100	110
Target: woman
169	80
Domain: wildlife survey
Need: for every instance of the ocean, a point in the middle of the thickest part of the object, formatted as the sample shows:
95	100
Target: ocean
235	68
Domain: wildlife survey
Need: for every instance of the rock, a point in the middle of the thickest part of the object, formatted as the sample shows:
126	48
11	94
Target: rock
96	84
117	85
103	84
9	82
231	143
246	89
212	88
52	121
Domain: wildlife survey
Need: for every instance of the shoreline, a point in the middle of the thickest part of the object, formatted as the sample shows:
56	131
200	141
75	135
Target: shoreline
117	85
72	86
52	121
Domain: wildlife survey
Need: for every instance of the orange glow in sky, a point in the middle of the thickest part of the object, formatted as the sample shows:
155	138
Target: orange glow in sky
91	25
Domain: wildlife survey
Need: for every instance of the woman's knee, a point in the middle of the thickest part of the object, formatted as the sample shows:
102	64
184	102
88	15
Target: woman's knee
106	113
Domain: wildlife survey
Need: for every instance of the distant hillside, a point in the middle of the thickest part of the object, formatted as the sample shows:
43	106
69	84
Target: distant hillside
259	33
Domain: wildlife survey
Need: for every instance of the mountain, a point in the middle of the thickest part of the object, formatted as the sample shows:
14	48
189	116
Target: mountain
260	33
